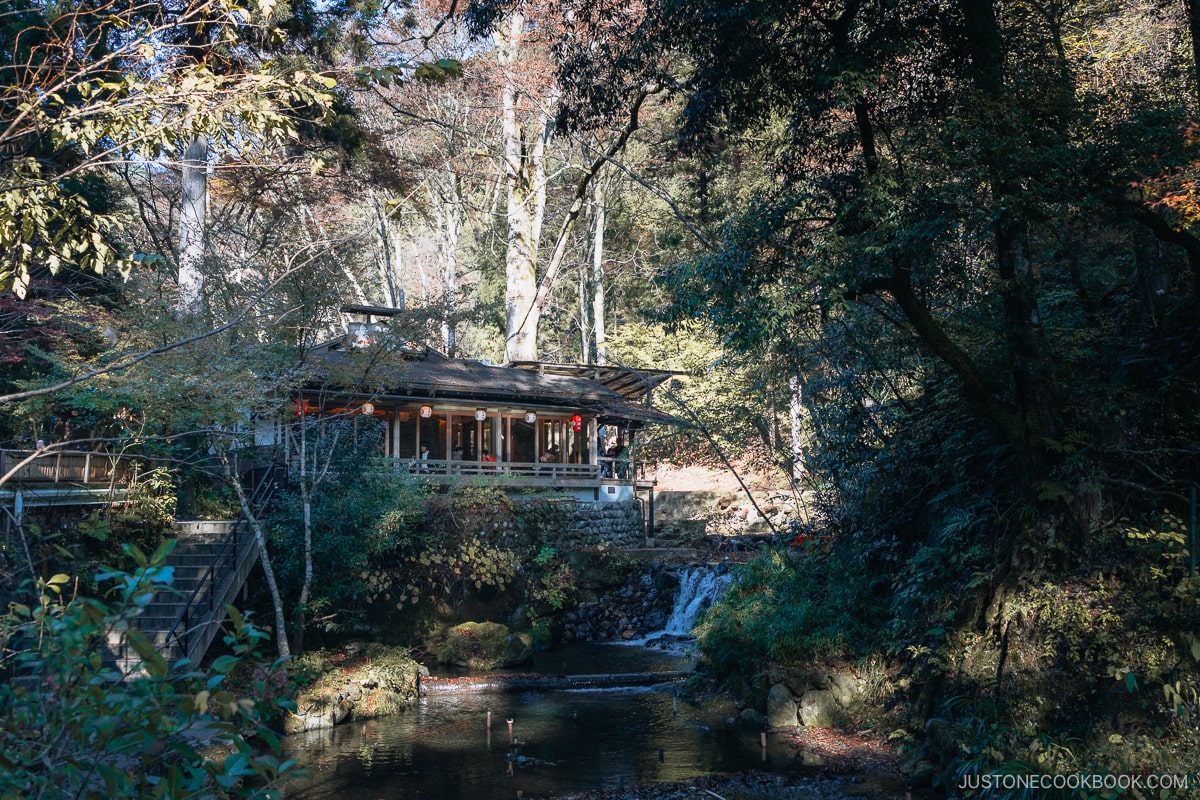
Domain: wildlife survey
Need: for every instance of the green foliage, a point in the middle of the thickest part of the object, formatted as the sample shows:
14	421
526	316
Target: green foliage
1175	587
71	725
783	607
550	584
142	521
75	93
358	520
440	571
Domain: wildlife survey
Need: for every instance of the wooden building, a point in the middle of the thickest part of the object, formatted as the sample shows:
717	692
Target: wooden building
526	424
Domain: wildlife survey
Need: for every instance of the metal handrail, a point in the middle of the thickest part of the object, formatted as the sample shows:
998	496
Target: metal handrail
181	632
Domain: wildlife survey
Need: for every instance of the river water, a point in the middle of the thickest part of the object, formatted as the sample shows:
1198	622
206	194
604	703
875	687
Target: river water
568	741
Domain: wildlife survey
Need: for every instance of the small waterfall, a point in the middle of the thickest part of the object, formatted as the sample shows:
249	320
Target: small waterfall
698	588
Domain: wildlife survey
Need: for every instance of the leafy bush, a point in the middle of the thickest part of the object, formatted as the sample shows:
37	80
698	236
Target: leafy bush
782	607
73	726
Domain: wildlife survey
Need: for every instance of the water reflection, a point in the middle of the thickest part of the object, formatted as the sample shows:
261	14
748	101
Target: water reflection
572	741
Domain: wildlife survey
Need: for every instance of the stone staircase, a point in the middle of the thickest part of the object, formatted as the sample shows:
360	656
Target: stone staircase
211	562
198	545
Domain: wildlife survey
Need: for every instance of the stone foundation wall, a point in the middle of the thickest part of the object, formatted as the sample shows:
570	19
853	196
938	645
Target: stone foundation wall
565	525
609	524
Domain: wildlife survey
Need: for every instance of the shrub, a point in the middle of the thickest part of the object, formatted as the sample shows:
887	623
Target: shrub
73	726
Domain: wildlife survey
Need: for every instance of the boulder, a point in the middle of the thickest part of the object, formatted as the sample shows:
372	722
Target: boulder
818	708
847	689
383	681
781	707
484	645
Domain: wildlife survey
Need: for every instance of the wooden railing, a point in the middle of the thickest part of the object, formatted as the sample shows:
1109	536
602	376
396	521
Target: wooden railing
452	468
66	466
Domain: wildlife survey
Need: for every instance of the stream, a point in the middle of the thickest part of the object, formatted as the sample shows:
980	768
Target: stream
566	740
572	741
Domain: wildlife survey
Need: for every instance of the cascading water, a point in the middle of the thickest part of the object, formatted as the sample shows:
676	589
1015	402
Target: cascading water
698	588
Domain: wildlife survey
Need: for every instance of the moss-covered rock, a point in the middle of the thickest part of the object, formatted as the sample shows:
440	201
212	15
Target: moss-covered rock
359	682
484	645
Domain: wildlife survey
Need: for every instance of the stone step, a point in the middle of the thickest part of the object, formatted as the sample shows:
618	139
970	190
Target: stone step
207	550
193	559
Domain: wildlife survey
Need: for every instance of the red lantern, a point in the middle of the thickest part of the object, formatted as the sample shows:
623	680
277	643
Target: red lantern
576	423
301	407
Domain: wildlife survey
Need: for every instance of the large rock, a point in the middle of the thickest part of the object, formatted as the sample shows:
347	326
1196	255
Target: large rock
847	689
485	645
781	707
379	682
818	708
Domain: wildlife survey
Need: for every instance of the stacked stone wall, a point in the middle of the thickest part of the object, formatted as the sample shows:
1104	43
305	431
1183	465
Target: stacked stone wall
603	524
564	525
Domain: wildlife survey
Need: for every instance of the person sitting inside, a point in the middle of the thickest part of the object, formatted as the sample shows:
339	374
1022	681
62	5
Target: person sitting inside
424	458
487	456
551	455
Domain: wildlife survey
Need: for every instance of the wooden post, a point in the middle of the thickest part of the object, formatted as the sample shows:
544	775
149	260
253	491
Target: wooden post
510	735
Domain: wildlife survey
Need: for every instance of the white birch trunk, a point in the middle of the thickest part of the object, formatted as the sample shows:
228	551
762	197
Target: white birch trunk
193	213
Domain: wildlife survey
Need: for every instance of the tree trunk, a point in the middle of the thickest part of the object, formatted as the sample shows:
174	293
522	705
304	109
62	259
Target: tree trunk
599	219
1021	318
193	212
449	205
796	418
1193	15
281	639
393	292
306	490
584	325
524	177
